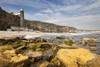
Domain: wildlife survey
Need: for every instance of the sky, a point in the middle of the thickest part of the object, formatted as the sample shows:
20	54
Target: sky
82	14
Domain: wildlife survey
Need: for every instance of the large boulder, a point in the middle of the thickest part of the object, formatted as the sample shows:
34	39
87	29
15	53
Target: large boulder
94	62
77	58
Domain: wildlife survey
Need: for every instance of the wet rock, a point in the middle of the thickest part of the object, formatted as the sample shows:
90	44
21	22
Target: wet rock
93	48
74	57
94	62
94	39
25	41
10	53
97	41
47	64
34	54
21	60
44	45
5	47
86	39
69	42
56	62
83	43
92	44
63	46
4	60
37	40
14	61
19	49
50	57
54	49
31	46
75	46
60	37
90	40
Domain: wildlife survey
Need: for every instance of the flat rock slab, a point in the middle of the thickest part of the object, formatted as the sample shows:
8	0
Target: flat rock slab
74	57
34	54
66	47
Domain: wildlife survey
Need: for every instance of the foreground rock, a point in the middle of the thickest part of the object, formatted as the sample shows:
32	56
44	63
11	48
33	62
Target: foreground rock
93	48
47	64
94	62
77	58
34	54
83	43
69	42
67	47
13	61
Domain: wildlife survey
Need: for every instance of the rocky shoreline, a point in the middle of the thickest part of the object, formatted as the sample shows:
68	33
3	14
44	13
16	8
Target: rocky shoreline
41	52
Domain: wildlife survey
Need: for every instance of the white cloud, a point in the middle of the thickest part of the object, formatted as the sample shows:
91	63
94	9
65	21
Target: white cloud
86	21
48	11
94	5
41	16
68	8
30	3
29	16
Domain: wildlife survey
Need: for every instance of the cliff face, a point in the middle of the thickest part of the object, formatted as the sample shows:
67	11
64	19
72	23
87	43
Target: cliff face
7	20
48	27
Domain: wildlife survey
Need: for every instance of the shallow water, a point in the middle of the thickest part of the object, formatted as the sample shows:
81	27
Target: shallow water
75	36
53	38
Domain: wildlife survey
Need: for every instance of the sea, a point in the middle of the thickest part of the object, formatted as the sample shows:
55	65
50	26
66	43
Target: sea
56	37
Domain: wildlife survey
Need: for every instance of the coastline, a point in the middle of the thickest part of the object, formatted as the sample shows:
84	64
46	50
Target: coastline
15	34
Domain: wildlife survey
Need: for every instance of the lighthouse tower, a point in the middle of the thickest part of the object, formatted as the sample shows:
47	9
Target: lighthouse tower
22	18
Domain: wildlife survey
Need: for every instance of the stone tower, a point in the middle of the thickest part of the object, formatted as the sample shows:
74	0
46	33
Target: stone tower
22	24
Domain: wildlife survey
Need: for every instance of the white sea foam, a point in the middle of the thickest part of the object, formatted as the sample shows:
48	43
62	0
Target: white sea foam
55	34
31	36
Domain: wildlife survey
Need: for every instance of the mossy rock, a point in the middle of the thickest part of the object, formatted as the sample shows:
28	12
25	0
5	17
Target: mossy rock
31	46
92	44
93	48
69	42
50	57
57	62
75	46
83	43
91	40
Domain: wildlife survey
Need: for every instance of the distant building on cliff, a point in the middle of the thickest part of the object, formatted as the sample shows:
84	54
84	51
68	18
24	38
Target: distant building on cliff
22	24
